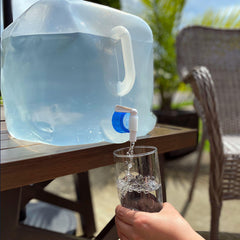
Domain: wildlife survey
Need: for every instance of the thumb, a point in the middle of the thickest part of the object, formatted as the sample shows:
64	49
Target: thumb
126	215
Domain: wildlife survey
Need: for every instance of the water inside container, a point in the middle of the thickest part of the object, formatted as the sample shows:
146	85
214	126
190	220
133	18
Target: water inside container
65	87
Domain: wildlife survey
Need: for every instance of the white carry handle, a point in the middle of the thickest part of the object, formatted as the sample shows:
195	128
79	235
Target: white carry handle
126	85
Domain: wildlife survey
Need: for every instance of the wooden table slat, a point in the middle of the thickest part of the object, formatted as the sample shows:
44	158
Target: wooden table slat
5	136
14	149
3	126
31	164
13	143
2	113
24	162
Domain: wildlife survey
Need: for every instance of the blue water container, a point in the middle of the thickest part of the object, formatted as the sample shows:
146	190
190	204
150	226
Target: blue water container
62	76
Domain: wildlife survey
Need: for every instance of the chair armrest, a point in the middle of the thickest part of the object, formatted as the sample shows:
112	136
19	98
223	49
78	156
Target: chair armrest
204	90
193	76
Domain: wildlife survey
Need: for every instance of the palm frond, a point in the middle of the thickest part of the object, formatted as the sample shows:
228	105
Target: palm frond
227	18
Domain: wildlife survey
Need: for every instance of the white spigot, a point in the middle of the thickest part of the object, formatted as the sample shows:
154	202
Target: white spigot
118	121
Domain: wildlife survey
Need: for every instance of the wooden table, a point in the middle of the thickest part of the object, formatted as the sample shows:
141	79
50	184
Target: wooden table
24	163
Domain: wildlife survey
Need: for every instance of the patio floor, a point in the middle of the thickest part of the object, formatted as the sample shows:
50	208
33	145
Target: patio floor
178	178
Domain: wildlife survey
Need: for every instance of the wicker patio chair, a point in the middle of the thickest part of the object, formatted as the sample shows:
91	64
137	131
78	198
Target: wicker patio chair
216	85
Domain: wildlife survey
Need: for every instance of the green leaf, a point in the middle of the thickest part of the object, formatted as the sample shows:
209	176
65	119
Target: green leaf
164	16
147	3
227	18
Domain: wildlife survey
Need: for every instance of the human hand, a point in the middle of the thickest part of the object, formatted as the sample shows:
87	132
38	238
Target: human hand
167	224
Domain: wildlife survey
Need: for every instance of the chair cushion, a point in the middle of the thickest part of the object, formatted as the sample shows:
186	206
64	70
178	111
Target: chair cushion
50	217
231	144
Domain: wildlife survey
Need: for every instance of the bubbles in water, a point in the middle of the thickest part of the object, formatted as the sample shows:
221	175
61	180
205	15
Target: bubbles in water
140	193
137	183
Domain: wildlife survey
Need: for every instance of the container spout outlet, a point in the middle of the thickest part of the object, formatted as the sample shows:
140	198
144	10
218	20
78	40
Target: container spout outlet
125	120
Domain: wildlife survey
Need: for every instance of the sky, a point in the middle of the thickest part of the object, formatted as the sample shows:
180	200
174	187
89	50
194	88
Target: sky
192	7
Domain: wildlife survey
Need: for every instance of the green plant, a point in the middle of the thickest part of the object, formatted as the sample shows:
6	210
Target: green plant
226	18
163	16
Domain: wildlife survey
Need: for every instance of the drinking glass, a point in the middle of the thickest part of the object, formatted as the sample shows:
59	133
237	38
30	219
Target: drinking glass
138	178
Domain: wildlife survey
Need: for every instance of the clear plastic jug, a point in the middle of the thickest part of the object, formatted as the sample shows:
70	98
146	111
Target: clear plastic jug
66	64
